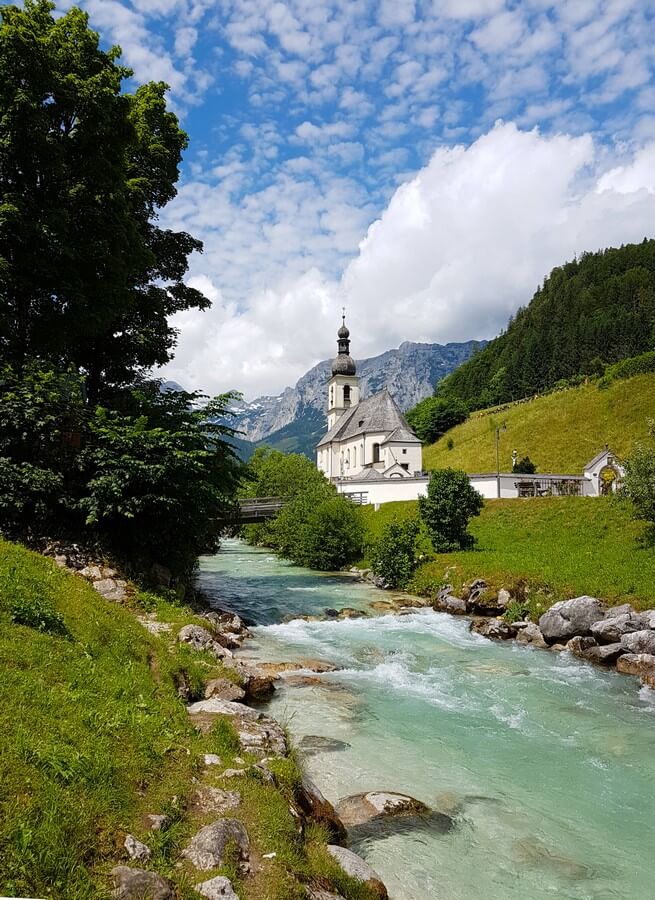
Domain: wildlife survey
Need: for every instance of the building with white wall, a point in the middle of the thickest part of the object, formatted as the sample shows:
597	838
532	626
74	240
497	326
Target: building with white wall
365	438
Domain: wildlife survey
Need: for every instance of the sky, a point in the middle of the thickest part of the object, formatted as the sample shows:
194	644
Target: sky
424	163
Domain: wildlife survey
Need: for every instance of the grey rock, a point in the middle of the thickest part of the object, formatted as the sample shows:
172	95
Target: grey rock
531	634
454	605
217	707
212	759
136	850
257	683
198	638
639	641
219	888
579	645
137	884
151	624
316	743
224	690
61	560
157	823
604	654
569	618
233	773
357	868
504	598
110	589
495	629
264	737
214	800
623	610
314	806
636	664
207	849
610	629
648	616
91	572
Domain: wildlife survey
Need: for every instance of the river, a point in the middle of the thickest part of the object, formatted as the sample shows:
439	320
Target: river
546	763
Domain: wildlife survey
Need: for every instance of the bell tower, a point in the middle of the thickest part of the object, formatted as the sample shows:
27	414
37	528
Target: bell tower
343	386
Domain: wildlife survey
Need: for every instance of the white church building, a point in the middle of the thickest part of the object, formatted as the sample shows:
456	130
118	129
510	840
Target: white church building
372	455
366	439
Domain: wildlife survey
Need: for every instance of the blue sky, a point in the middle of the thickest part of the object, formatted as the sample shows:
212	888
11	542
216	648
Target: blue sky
425	163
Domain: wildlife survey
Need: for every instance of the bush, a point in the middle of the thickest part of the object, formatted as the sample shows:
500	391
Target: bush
627	368
639	480
393	556
432	417
446	510
524	466
332	535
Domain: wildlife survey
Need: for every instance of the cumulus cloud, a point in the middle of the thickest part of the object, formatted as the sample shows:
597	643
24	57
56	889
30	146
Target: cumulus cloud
459	247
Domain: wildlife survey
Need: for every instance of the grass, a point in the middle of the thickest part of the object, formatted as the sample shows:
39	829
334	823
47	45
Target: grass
556	547
93	737
560	432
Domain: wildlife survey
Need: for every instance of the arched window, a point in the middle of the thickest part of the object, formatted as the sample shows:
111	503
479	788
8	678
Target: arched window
346	395
354	457
376	453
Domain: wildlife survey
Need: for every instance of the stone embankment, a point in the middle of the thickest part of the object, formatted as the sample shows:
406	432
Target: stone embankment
612	636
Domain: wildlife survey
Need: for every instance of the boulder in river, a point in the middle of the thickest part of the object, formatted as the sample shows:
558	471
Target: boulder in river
224	690
636	664
137	884
531	634
578	645
207	849
569	618
450	604
317	743
604	654
639	641
361	808
357	868
495	629
257	682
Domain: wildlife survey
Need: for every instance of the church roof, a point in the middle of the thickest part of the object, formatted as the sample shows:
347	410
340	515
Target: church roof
597	458
378	413
403	434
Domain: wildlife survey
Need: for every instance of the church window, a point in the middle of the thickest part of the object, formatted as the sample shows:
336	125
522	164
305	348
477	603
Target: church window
354	457
376	453
405	466
404	449
346	395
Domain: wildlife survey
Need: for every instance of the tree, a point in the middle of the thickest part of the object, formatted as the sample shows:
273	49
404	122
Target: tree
393	555
524	466
87	278
446	510
639	480
433	416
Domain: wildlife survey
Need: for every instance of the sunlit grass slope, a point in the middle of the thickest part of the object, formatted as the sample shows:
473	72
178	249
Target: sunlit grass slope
560	432
565	546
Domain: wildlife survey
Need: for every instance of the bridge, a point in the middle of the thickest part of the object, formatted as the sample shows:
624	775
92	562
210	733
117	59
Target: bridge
259	509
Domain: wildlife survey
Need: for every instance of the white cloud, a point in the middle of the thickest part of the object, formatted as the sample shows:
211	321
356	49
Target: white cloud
459	247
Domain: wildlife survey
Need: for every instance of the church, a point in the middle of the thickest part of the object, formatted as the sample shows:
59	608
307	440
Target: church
366	440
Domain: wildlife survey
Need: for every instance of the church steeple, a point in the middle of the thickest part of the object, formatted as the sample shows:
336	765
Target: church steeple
343	387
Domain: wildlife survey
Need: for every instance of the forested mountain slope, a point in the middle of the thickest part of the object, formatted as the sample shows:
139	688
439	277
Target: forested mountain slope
595	310
560	432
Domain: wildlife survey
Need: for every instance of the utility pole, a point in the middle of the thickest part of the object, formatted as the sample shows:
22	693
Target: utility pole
499	428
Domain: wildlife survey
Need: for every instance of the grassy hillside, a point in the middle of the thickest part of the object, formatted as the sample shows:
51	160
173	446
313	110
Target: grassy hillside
559	432
93	737
560	546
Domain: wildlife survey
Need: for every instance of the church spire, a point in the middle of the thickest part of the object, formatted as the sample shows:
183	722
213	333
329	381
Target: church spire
343	364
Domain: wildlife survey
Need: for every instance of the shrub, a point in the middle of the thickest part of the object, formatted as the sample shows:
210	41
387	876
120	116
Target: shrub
446	510
524	466
319	532
432	417
393	556
639	480
627	368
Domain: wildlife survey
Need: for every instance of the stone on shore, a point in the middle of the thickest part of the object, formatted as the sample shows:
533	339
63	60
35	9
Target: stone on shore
264	737
450	604
137	884
639	642
531	634
495	629
612	628
207	849
361	808
636	664
219	888
217	707
257	683
198	638
357	868
579	645
569	618
648	615
314	806
604	654
312	665
224	690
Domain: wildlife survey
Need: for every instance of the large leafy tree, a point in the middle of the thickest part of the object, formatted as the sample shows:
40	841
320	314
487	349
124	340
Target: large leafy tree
87	276
447	508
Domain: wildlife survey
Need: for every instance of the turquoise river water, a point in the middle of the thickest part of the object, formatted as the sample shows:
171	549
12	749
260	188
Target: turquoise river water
546	764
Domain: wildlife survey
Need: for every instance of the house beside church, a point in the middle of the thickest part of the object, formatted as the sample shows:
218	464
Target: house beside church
365	438
372	455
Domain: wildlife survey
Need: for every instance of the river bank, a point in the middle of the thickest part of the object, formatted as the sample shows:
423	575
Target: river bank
517	746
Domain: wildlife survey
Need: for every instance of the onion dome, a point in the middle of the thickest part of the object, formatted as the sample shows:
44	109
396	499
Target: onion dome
344	364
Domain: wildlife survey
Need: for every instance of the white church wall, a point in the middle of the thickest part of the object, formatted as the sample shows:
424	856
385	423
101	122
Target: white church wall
410	455
386	490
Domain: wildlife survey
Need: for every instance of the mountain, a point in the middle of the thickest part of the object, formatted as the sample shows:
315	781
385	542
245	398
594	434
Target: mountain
295	419
596	310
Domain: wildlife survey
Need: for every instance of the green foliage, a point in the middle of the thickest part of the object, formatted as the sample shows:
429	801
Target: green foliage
446	510
317	527
432	417
524	466
30	601
87	278
639	480
394	555
515	612
602	304
627	368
